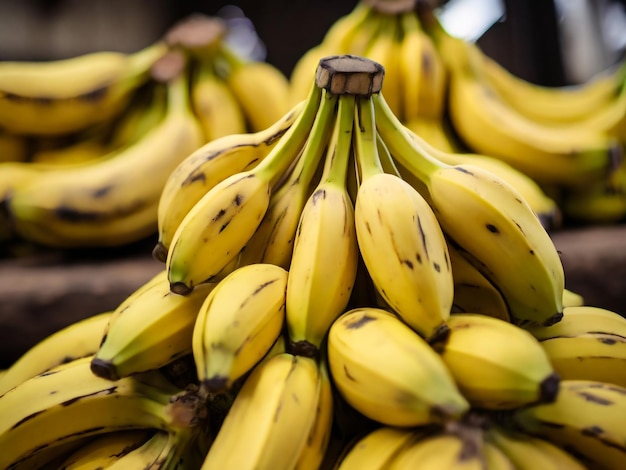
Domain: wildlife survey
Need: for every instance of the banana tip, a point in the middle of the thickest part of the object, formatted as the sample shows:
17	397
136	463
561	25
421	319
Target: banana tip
216	384
180	288
553	319
303	348
440	334
159	252
104	369
549	388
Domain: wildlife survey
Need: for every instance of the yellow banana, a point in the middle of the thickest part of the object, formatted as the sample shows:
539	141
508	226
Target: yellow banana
64	96
586	418
270	418
207	166
325	252
436	132
238	323
572	299
220	224
400	239
496	364
399	382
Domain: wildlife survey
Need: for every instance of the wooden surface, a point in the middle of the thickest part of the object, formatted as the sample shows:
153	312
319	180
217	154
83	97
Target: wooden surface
41	294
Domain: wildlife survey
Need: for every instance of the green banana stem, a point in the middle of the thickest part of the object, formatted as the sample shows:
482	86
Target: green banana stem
142	60
365	141
336	165
276	163
178	94
404	149
386	160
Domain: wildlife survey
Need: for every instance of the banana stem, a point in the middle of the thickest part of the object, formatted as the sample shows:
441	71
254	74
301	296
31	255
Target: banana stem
365	141
143	59
288	147
178	93
336	165
407	151
386	160
233	60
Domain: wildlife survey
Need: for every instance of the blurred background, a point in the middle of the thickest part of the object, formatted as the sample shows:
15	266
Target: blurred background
551	43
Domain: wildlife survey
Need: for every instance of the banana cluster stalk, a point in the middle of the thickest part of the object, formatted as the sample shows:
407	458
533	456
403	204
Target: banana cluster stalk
334	294
87	143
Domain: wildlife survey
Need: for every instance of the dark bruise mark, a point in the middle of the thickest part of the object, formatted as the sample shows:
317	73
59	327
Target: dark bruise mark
348	376
319	194
418	257
422	236
492	228
549	424
193	177
368	228
101	192
223	227
518	200
257	290
94	95
238	200
427	64
592	431
356	324
73	215
531	252
437	267
106	391
219	215
608	386
519	227
27	418
274	137
595	399
463	170
407	263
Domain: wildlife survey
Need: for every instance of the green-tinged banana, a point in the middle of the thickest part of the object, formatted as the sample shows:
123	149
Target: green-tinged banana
318	441
566	155
325	252
238	324
148	330
207	166
220	224
261	89
214	104
377	449
100	203
490	221
79	339
473	292
544	206
400	239
572	299
271	417
105	449
69	402
587	420
424	75
588	343
401	381
496	364
556	105
273	240
531	453
64	96
334	42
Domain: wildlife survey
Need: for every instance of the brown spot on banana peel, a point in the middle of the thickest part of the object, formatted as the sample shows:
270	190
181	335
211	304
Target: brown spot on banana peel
590	397
359	322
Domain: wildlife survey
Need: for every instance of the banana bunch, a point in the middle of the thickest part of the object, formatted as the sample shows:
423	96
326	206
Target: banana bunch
77	134
307	317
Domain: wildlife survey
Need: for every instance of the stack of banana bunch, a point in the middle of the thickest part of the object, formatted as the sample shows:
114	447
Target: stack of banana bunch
560	146
333	296
86	143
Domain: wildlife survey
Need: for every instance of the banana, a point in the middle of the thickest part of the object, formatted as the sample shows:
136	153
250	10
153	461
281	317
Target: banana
586	420
424	75
148	330
64	96
79	339
564	155
100	203
495	364
572	299
400	239
530	453
207	166
273	240
238	323
435	132
70	402
325	252
106	449
473	293
261	89
377	449
270	418
220	224
588	343
399	382
214	104
490	221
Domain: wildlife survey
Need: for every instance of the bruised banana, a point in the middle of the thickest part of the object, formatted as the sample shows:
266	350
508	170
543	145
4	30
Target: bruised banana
400	382
65	96
220	224
490	221
148	330
496	364
99	203
238	324
400	239
207	166
325	252
271	417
